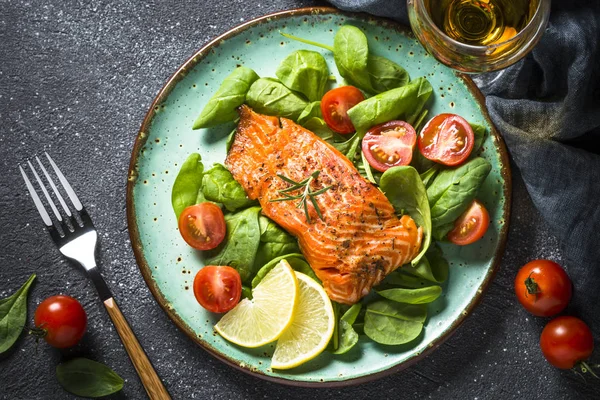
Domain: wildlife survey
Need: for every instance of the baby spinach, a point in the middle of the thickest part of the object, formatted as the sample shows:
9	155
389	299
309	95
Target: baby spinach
385	74
219	186
402	103
271	97
479	132
428	176
351	53
412	296
231	94
312	110
306	72
274	242
405	190
239	248
296	261
392	323
433	267
187	184
398	278
13	313
453	190
347	336
87	378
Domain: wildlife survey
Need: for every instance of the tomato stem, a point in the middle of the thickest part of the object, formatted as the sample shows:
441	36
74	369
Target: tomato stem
532	286
585	368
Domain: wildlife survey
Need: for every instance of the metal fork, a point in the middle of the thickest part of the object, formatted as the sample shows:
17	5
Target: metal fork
76	238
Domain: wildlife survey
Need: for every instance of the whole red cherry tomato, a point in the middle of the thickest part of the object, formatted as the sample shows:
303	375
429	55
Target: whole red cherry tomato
566	341
60	320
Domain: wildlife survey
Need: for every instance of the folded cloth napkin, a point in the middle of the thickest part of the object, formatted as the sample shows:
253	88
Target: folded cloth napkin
547	107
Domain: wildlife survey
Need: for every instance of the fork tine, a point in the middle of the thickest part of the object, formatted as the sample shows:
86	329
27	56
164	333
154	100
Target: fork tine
36	199
54	188
39	181
65	184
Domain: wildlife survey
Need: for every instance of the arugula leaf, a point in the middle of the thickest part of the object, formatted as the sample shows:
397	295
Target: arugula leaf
392	323
13	313
306	72
219	186
347	336
405	190
87	378
223	104
187	184
412	296
271	97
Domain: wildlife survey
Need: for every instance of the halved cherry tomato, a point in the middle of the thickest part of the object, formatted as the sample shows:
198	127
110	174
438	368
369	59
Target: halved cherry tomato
218	288
389	145
543	288
335	105
202	226
471	225
447	139
566	341
60	320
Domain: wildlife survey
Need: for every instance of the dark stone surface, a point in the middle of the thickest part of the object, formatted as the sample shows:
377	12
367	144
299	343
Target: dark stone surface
76	79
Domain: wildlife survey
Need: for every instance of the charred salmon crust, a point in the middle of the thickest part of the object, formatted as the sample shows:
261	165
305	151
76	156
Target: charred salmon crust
359	240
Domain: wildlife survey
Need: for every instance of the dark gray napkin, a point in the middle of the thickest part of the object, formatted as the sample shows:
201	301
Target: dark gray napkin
547	107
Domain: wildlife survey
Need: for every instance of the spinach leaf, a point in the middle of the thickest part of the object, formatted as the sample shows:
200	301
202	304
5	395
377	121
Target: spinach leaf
246	292
440	232
219	186
312	110
437	264
400	279
346	333
187	184
231	94
271	97
428	176
318	126
351	53
453	190
392	323
87	378
296	261
239	248
402	103
274	242
306	72
13	313
479	131
412	296
405	190
350	147
385	74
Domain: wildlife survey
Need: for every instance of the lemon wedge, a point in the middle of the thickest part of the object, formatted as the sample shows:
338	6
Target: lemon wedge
256	322
311	328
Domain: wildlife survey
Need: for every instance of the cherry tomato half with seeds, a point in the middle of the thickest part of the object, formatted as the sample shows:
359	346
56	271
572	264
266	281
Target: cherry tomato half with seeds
566	341
389	145
447	139
218	288
335	105
471	225
543	288
60	320
202	226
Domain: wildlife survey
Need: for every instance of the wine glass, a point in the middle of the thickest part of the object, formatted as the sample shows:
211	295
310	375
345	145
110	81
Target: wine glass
475	36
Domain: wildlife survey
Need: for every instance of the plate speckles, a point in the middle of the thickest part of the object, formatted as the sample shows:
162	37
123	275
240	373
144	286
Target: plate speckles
258	45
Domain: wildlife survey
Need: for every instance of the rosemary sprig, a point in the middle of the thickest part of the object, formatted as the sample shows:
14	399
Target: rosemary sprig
307	193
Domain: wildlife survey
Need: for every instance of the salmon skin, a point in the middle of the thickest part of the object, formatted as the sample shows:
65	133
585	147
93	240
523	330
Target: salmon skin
359	240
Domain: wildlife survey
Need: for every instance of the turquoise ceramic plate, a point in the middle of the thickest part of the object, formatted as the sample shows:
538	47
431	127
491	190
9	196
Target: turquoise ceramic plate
166	139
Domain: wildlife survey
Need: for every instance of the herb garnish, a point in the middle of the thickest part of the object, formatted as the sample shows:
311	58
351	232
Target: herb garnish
306	195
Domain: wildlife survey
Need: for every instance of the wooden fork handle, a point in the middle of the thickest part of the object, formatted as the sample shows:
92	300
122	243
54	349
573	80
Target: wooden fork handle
152	383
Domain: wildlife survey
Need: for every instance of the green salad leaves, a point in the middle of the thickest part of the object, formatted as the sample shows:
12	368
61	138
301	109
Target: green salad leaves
87	378
13	313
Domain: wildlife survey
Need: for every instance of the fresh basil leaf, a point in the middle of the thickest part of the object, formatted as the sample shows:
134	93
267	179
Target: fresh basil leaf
479	132
405	190
87	378
402	103
312	110
187	184
296	261
453	190
239	248
385	74
346	333
231	94
274	242
271	97
219	186
391	323
306	72
13	314
412	296
351	53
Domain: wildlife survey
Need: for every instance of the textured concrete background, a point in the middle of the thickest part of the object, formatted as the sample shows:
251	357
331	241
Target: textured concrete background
76	79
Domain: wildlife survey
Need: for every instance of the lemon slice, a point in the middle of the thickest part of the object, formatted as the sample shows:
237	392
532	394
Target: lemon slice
253	323
311	328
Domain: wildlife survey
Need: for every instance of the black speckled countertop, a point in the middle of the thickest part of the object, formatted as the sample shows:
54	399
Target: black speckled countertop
76	79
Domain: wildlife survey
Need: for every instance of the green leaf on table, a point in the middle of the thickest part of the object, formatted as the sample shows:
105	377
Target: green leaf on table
391	323
304	71
187	184
87	378
13	314
219	186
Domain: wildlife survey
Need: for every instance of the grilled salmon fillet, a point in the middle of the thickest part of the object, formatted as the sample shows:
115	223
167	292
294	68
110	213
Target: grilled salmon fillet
359	240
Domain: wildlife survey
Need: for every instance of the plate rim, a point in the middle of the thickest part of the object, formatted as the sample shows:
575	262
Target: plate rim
145	269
